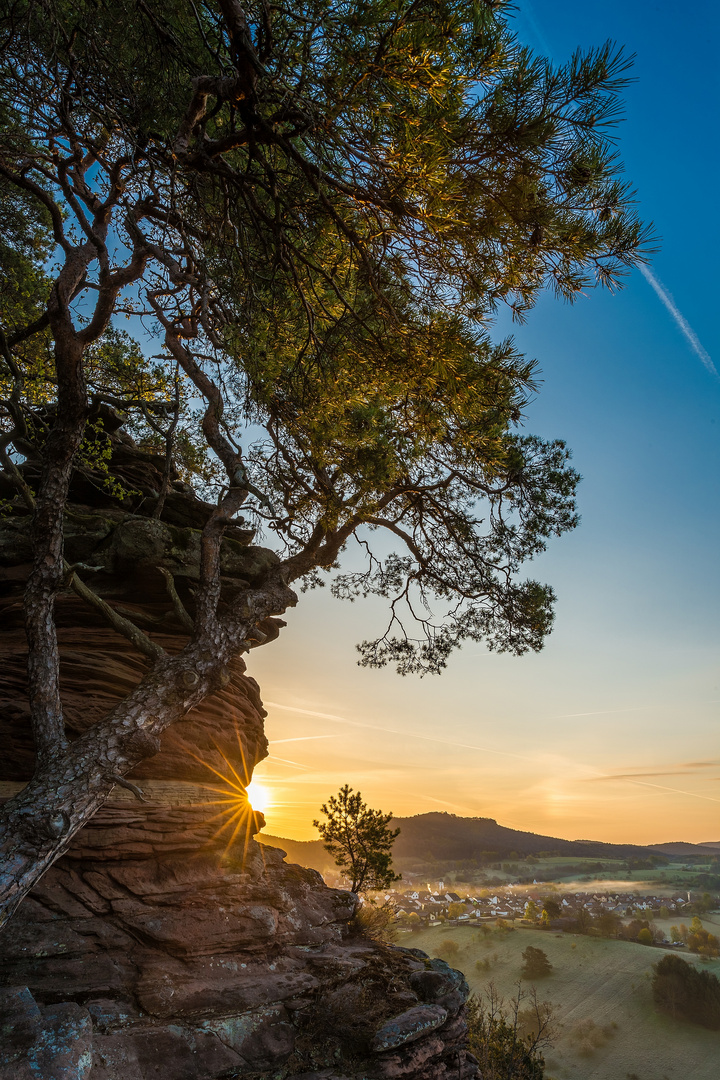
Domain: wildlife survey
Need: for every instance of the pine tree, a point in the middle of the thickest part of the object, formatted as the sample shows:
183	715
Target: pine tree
317	211
535	963
359	840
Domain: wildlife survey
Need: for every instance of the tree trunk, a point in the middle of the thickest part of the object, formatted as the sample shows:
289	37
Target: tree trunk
133	556
37	825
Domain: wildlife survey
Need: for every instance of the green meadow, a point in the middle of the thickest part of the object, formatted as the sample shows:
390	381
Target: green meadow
607	1026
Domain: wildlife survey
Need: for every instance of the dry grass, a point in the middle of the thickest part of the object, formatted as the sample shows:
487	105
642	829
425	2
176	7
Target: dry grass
586	1036
601	990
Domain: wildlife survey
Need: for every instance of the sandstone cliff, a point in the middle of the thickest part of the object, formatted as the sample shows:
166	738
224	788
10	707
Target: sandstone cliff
167	943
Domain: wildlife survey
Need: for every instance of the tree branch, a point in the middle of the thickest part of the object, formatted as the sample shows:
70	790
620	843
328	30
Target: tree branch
181	613
129	630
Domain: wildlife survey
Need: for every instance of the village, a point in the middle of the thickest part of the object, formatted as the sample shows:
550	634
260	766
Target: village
440	904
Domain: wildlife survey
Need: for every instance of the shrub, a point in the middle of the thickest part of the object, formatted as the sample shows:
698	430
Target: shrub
536	964
701	941
685	993
377	921
645	936
586	1036
507	1040
447	950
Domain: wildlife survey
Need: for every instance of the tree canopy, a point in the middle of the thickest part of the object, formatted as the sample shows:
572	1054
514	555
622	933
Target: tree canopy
273	240
359	840
686	993
535	963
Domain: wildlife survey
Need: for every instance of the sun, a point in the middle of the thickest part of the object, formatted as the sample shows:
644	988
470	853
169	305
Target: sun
258	796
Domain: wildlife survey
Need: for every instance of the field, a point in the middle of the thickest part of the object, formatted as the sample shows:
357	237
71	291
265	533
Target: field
608	1027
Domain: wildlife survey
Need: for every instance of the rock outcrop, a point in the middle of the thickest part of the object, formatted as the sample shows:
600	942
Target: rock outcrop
167	944
152	951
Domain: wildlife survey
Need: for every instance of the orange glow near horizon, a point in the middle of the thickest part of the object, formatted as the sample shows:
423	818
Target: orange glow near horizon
621	792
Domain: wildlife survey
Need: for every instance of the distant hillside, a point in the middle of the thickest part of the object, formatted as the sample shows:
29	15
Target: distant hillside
304	852
446	837
679	847
441	837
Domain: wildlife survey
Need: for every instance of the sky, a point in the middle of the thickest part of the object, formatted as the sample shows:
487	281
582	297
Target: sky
611	732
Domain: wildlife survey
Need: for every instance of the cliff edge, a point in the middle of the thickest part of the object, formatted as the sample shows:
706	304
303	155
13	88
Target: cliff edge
167	943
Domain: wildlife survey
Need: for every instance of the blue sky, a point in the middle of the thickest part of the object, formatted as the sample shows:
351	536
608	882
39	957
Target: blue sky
611	732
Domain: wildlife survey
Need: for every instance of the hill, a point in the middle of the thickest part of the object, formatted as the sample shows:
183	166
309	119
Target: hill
681	849
304	852
442	837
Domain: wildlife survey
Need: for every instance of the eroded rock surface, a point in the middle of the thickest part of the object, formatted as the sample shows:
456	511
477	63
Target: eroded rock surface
190	962
167	944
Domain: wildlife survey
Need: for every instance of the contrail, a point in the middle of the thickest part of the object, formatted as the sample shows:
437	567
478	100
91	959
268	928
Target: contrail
393	731
303	738
472	746
526	10
440	802
690	335
663	787
286	761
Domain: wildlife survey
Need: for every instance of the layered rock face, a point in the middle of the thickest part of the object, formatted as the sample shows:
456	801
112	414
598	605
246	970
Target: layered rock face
167	943
194	963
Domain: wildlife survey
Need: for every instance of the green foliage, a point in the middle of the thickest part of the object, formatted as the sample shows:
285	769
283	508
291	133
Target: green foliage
551	907
535	963
608	923
686	993
327	235
706	903
359	840
632	931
